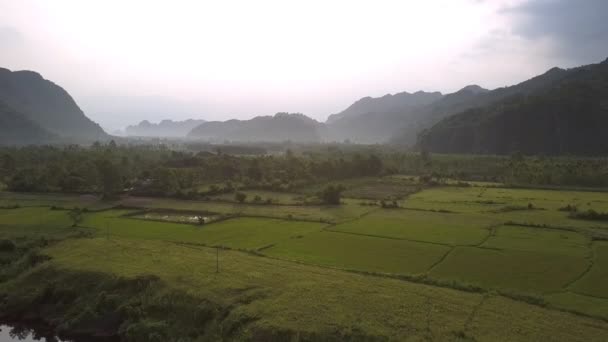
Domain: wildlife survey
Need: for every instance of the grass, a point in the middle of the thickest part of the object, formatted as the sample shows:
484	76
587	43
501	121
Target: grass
240	233
360	253
511	270
595	282
539	240
35	221
580	303
441	228
479	199
289	298
350	210
47	200
270	295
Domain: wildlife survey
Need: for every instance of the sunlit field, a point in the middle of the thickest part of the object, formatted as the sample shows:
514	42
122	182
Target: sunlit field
449	261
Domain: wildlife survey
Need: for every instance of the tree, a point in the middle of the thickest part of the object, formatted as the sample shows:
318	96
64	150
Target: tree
240	197
110	180
76	216
331	194
165	180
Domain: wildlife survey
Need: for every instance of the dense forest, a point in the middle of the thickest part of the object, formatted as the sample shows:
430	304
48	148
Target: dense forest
563	112
111	169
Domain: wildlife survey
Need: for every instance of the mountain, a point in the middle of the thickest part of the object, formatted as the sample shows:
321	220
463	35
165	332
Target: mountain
165	128
558	112
17	129
48	105
384	121
278	128
375	120
386	104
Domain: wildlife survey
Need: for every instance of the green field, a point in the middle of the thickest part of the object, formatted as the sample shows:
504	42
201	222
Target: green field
360	253
342	272
594	283
441	228
240	233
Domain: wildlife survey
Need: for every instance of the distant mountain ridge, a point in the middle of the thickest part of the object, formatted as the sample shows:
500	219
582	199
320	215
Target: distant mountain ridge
558	112
165	128
378	120
278	128
47	105
387	103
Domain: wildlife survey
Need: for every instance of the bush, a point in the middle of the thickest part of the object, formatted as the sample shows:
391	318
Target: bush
240	197
331	194
590	215
570	208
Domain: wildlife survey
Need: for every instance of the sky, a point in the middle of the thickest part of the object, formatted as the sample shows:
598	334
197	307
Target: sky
126	61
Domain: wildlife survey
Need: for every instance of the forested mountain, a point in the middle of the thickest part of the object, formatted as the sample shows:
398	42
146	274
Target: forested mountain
386	104
16	129
165	128
379	120
47	105
277	128
559	112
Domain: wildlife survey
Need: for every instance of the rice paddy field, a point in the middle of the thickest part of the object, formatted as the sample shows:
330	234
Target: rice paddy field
451	263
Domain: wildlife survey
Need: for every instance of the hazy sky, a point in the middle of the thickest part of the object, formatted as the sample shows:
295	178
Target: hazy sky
124	61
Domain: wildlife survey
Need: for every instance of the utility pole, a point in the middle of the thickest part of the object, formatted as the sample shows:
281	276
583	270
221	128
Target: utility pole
217	260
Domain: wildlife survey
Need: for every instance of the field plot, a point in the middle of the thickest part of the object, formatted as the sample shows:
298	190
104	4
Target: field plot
523	271
59	200
309	212
242	233
359	252
499	319
322	302
539	240
480	199
441	228
589	305
38	221
595	282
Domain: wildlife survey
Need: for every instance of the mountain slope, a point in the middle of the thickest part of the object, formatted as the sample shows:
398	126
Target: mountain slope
165	128
375	120
16	129
386	104
48	105
559	112
277	128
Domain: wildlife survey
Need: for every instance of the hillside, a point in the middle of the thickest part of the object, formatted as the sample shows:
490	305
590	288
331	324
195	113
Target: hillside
386	104
559	112
47	105
277	128
16	129
165	128
380	120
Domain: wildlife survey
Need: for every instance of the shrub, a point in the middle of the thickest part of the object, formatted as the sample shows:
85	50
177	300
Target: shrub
590	215
240	197
331	194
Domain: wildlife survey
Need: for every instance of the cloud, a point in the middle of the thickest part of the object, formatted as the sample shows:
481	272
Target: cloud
578	30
